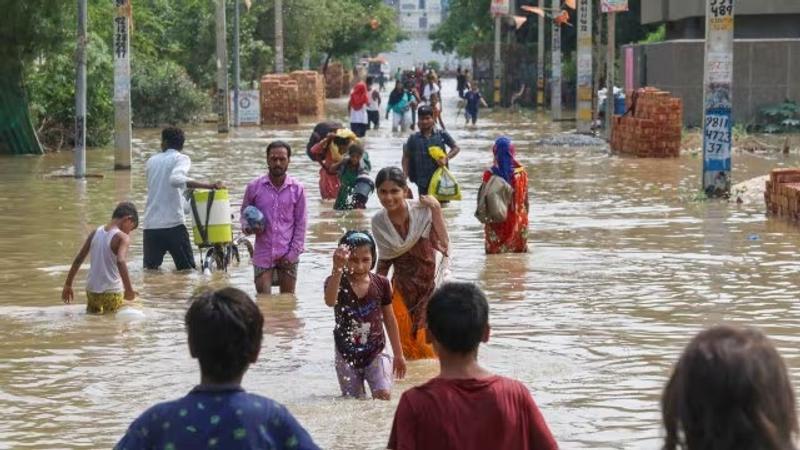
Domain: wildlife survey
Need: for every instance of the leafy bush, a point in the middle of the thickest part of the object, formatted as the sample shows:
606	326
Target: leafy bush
162	93
781	118
659	35
50	83
435	66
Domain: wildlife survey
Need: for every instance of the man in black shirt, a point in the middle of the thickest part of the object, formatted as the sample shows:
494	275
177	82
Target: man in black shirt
417	163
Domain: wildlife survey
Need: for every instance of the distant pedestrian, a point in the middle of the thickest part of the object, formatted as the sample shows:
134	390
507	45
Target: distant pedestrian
473	100
374	105
359	100
418	165
511	234
167	179
730	389
436	106
352	167
461	82
431	87
399	106
282	201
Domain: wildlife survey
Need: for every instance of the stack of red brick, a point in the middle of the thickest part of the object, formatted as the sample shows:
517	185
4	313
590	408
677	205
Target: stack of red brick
311	92
334	80
653	128
783	193
279	100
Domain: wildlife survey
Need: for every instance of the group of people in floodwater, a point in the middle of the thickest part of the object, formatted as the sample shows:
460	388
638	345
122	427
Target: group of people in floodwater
729	390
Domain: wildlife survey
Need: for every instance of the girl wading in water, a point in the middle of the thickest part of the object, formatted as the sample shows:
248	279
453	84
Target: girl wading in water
408	234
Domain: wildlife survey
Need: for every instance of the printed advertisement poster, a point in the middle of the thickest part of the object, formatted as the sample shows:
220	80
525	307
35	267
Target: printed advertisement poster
614	5
500	7
249	108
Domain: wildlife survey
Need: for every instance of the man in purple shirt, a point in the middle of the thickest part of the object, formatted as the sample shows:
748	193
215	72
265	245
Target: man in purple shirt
282	200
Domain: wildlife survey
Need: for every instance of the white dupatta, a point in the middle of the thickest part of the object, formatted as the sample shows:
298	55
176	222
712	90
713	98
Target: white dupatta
390	243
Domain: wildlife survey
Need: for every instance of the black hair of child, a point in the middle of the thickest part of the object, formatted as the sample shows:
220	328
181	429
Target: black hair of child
457	316
225	329
393	174
356	149
424	110
126	209
280	144
730	389
173	137
360	238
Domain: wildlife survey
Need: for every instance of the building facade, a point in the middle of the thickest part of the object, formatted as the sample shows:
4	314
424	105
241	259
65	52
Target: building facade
419	16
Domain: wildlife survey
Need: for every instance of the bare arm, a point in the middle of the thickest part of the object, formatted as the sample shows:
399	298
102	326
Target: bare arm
340	256
406	160
66	293
437	220
454	150
393	331
122	242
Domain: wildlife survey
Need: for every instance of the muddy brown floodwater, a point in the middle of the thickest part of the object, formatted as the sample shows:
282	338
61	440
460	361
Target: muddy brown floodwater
624	267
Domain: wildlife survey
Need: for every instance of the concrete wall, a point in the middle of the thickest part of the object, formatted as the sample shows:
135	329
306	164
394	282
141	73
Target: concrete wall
765	72
671	10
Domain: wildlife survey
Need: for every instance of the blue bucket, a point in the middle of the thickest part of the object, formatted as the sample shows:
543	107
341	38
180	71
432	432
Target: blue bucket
619	105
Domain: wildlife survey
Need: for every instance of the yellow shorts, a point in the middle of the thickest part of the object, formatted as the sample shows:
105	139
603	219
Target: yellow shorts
103	302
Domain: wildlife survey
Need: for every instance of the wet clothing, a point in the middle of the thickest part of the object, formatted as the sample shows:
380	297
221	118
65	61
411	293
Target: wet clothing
284	209
473	100
217	417
347	182
164	230
358	333
461	84
103	302
328	180
378	375
510	236
469	414
103	271
174	240
287	271
421	166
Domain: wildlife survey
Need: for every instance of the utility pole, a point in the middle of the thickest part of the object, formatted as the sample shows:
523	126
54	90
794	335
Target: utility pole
498	62
610	62
122	85
718	98
236	65
540	61
279	36
223	119
584	85
555	66
80	95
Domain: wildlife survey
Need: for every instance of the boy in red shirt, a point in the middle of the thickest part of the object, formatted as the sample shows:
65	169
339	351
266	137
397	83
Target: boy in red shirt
466	407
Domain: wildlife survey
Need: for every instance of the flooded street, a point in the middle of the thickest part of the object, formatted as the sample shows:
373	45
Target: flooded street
624	267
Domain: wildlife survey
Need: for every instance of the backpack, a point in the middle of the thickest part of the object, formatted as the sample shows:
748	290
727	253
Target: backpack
320	131
494	198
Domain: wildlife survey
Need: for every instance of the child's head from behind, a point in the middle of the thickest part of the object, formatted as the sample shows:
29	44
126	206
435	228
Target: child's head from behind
127	216
729	389
225	329
356	153
363	254
458	318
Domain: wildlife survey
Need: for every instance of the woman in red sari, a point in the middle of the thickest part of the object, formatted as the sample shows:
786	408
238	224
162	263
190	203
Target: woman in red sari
510	236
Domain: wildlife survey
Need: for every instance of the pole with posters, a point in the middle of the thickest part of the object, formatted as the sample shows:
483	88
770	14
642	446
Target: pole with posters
279	36
555	67
585	95
223	119
540	60
122	86
79	159
236	65
499	8
611	8
718	98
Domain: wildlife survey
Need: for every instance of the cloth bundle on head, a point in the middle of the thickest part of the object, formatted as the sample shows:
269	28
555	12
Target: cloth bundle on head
342	133
359	97
504	161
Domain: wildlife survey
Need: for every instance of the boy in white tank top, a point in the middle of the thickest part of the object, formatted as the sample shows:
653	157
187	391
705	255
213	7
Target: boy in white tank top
108	282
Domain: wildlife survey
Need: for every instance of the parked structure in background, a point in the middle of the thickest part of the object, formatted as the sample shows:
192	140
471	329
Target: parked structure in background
419	16
766	55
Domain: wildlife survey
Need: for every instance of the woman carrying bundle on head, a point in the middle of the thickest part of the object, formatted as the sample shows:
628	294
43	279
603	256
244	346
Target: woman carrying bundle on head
408	235
507	233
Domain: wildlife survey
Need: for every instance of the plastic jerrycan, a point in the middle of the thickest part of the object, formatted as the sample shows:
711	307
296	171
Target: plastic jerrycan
218	216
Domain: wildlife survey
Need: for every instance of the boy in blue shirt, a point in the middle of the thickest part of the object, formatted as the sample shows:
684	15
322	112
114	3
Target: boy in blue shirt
473	100
225	328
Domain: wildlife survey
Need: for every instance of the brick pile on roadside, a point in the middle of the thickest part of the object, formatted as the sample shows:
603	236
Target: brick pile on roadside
279	100
311	92
334	80
783	194
653	128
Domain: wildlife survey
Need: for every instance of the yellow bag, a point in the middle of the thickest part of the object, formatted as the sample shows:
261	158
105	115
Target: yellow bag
444	186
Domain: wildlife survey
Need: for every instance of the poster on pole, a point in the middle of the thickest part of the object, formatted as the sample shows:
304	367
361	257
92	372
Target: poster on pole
249	107
500	7
613	6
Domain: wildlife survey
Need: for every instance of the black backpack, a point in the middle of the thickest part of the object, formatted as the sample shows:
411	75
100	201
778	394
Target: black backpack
320	131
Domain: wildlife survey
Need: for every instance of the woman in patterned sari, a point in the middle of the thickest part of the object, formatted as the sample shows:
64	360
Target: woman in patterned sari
408	234
510	236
